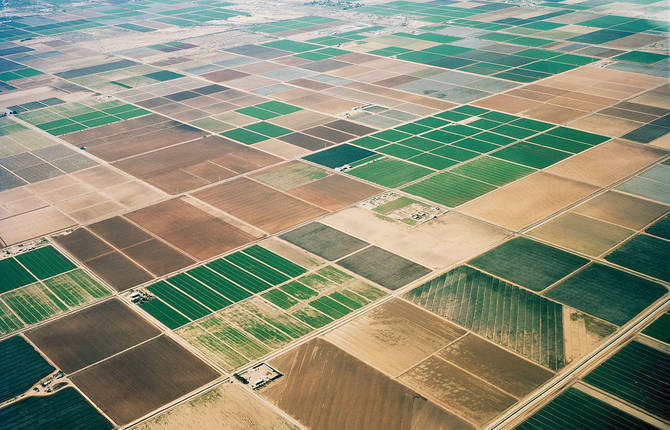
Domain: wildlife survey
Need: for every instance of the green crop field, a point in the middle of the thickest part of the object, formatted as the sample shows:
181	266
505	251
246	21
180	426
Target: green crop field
269	335
45	262
239	276
298	290
33	303
366	290
330	307
165	314
259	269
607	293
389	172
279	319
279	298
449	189
178	300
645	254
276	261
349	299
528	263
218	283
492	170
22	366
576	410
198	291
312	317
637	374
660	329
236	338
513	317
8	321
212	347
76	288
14	275
65	409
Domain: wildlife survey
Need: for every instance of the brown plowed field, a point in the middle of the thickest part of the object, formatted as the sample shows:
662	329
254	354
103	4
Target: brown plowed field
335	192
409	331
88	336
175	169
118	271
135	382
135	125
325	388
457	390
494	364
196	232
157	257
83	245
119	232
261	206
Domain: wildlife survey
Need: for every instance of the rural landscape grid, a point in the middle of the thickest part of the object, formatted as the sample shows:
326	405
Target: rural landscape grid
334	214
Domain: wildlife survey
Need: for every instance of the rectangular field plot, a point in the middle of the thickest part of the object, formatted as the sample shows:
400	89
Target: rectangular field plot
199	291
324	241
637	374
76	288
90	335
274	260
45	262
212	347
449	189
164	313
577	410
126	399
645	254
219	284
22	367
9	322
389	172
259	269
528	263
660	329
383	267
14	275
34	303
64	409
239	276
607	293
522	321
178	300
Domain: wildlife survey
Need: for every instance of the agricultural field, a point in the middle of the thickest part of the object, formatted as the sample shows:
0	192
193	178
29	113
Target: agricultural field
420	214
22	367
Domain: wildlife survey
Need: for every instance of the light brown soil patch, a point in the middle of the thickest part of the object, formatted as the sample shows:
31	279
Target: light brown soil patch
33	224
326	388
527	200
261	206
582	333
410	332
607	163
622	209
335	192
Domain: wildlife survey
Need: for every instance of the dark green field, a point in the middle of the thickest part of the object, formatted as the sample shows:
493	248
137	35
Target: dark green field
573	409
324	241
637	374
607	293
659	329
21	366
45	262
383	267
65	409
13	275
528	263
645	254
513	317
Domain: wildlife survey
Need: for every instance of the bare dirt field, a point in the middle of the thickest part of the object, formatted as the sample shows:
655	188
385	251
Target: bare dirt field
158	257
261	206
119	232
33	224
83	244
335	192
292	252
607	163
622	209
118	271
88	336
137	381
410	332
582	333
438	243
535	197
194	231
228	406
494	364
326	388
457	390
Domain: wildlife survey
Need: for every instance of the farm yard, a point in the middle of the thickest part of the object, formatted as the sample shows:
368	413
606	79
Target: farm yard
391	214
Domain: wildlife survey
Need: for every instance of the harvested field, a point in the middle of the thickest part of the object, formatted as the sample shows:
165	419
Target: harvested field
411	332
33	224
607	293
495	365
88	336
439	243
119	232
316	394
324	241
157	257
190	229
260	206
384	268
118	271
291	175
83	244
537	196
228	406
162	371
622	209
457	390
335	192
